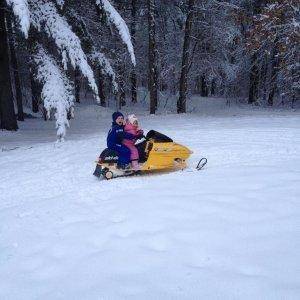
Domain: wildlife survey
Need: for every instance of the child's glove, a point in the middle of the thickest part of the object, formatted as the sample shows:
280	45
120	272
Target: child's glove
140	134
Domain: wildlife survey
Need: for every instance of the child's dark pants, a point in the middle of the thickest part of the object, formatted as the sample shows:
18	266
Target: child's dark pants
124	154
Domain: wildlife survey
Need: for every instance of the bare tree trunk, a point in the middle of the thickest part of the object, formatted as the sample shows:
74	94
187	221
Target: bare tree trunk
254	72
152	58
15	67
181	103
77	79
264	75
213	87
122	94
198	84
204	88
101	93
8	119
274	70
254	80
35	86
133	76
35	92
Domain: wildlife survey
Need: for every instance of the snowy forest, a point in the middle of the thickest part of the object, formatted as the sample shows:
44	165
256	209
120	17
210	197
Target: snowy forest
149	149
55	53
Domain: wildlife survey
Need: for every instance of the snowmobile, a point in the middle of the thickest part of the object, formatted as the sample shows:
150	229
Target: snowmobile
156	152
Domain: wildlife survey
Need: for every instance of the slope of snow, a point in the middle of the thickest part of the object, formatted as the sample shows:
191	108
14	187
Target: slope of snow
230	231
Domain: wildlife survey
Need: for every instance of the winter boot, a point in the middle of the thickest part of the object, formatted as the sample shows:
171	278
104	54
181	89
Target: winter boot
123	167
135	165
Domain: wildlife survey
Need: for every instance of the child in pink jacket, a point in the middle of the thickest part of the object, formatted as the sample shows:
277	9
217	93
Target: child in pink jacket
132	126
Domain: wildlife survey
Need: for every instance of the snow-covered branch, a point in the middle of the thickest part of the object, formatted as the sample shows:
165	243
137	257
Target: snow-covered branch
57	89
20	9
60	3
99	59
118	21
46	17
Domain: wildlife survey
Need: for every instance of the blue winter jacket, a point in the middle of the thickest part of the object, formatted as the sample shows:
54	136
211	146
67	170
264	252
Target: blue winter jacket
117	134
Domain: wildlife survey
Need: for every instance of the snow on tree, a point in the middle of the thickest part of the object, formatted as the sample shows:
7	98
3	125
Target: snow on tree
99	58
20	9
277	32
60	3
115	18
45	17
57	89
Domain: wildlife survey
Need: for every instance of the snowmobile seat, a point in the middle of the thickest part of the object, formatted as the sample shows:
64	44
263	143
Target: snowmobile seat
158	137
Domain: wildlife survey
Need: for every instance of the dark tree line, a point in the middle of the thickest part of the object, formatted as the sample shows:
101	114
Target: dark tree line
7	114
247	49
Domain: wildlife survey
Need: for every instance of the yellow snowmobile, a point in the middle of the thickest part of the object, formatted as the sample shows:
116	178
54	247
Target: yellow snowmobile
156	152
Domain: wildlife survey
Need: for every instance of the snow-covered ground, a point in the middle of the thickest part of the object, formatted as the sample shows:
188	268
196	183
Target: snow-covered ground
230	231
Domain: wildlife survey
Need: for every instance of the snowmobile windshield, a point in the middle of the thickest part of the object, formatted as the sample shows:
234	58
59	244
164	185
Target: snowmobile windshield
158	137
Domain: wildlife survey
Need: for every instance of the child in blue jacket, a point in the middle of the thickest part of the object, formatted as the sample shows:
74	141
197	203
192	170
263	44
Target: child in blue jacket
115	137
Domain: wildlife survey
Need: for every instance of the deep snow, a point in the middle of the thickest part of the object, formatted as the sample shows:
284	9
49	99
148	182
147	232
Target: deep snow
230	231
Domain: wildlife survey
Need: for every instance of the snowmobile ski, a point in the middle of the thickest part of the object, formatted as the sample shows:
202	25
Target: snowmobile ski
202	162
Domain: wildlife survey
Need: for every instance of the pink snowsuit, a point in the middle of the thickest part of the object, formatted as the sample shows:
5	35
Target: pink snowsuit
130	143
